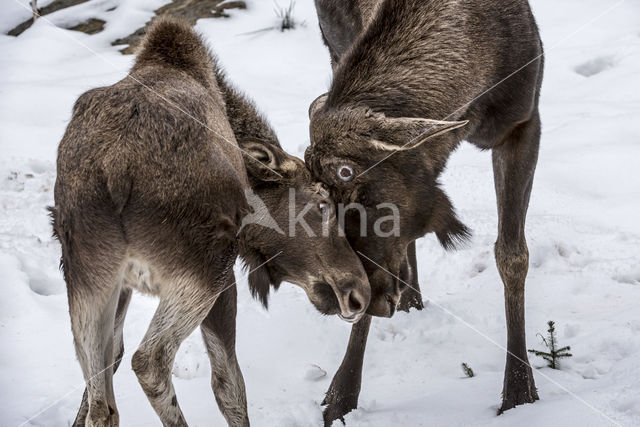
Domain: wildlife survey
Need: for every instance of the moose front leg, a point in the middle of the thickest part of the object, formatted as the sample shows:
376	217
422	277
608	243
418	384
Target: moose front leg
219	334
342	396
411	296
514	163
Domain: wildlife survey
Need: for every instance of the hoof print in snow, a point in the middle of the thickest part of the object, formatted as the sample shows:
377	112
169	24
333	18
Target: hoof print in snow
189	366
14	182
41	281
390	333
595	66
192	360
571	330
627	404
478	268
562	250
480	263
628	277
572	255
315	373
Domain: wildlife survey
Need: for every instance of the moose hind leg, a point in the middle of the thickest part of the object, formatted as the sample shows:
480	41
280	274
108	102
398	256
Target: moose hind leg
219	334
514	163
182	308
118	346
92	322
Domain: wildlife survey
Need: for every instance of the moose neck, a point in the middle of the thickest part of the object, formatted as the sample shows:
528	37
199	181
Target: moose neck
245	119
421	75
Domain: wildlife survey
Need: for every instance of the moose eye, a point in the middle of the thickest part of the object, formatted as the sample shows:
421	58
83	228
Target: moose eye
323	207
346	173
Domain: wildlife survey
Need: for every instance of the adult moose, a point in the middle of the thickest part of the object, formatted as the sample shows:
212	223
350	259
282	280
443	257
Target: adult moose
413	78
150	194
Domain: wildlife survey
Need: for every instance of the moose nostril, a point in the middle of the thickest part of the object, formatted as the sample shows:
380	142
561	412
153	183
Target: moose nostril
355	304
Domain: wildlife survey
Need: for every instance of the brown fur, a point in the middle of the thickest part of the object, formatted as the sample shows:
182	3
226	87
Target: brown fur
150	194
413	62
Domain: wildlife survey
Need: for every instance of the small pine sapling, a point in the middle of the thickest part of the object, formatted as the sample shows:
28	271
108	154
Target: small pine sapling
554	354
467	370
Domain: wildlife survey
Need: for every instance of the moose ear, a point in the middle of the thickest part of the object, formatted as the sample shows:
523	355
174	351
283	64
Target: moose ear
340	23
266	161
405	133
317	104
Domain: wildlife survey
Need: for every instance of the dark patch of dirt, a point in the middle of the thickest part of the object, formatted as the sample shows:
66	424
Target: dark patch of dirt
190	10
92	26
50	8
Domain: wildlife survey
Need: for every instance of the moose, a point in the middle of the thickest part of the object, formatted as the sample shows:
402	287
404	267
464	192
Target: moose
411	80
150	196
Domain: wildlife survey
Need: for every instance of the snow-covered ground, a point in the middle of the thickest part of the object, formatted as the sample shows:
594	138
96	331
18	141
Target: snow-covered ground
583	234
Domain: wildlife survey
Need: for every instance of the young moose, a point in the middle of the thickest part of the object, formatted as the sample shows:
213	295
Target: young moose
150	195
413	78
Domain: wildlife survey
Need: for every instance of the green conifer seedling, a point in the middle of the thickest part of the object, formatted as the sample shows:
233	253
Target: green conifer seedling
467	370
554	354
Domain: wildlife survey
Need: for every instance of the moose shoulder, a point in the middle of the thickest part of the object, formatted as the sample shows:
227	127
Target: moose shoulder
416	79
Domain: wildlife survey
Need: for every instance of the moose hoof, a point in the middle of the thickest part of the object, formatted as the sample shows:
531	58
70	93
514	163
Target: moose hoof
81	418
337	406
519	386
412	300
102	415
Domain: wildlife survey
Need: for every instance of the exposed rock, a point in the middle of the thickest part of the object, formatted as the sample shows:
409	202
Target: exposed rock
190	10
92	26
50	8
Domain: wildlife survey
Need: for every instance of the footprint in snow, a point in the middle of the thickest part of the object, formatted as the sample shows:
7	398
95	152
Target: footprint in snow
480	263
191	361
595	66
42	281
571	330
390	333
477	268
627	404
630	278
315	373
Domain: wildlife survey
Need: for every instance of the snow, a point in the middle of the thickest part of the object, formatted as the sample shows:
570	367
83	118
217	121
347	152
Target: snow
583	235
